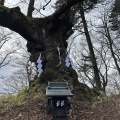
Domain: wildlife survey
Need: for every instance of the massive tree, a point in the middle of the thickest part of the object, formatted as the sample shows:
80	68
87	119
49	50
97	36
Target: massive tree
44	35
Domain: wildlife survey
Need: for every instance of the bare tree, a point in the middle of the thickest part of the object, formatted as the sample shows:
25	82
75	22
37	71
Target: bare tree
6	51
108	52
90	46
22	76
30	8
111	40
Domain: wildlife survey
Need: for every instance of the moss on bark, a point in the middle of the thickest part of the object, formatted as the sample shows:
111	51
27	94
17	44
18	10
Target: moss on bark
49	74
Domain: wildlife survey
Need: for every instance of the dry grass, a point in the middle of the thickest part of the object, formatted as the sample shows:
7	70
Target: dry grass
33	107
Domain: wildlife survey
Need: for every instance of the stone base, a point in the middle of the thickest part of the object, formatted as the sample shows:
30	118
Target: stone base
60	118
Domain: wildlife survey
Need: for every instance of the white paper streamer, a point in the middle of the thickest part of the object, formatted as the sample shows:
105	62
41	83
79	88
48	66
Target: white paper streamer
67	61
59	56
39	66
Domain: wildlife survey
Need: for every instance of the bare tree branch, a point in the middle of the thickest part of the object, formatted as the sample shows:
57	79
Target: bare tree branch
46	4
30	8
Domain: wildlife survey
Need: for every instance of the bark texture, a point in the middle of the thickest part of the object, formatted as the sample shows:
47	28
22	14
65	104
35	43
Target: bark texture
43	35
30	8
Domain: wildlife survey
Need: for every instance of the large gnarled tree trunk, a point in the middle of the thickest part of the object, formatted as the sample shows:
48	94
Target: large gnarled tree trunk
43	36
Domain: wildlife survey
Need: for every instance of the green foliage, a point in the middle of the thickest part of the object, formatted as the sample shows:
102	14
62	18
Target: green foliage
102	97
88	5
66	77
69	74
38	88
6	98
83	92
29	19
11	100
48	75
59	3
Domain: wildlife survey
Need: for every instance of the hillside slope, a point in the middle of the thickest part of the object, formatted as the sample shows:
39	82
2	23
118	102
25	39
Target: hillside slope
34	108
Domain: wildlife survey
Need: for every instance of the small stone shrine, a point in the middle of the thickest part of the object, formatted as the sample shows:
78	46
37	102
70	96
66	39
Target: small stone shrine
58	102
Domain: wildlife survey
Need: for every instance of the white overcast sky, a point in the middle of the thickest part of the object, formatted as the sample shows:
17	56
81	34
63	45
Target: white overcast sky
38	5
